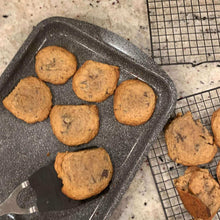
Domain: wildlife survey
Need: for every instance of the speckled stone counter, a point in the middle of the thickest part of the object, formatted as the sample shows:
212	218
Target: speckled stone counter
127	18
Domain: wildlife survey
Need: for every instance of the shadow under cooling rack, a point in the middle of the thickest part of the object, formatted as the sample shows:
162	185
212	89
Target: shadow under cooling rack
164	170
184	31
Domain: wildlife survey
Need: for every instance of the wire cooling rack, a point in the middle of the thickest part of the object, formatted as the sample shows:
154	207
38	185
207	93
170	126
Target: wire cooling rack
184	31
164	170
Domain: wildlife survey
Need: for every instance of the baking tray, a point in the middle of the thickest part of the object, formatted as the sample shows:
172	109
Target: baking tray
24	147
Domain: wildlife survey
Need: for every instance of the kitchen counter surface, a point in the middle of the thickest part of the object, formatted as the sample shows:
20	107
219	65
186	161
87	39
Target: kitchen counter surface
127	18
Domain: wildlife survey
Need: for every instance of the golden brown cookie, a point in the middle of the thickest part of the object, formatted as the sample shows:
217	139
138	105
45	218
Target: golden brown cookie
215	122
199	192
134	102
74	124
189	142
30	100
94	81
84	173
55	64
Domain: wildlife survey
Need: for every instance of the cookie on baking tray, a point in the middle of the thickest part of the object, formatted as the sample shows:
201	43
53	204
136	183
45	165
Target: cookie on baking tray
84	173
74	124
215	123
199	192
55	64
134	102
189	142
30	100
95	81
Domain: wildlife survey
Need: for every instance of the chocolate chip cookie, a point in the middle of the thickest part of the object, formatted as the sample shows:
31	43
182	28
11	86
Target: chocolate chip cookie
189	142
30	100
95	81
134	102
84	173
74	124
55	64
199	192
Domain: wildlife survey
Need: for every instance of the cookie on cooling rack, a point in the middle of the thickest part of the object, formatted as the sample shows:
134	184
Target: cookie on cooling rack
55	64
189	142
95	81
30	100
215	122
74	124
199	192
134	102
84	173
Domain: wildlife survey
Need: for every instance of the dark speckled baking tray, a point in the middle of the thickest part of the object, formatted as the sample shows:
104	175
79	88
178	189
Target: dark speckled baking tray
24	147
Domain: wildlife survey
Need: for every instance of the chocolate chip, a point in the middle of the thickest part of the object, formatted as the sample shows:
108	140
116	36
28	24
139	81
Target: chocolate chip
202	137
93	76
50	65
197	147
179	136
66	121
93	179
105	173
145	94
84	82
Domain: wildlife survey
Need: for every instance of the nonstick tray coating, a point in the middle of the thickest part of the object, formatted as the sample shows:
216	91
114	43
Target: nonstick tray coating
24	147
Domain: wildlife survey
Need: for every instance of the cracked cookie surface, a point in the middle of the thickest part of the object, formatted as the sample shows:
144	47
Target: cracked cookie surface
74	124
95	81
55	64
189	142
84	173
199	192
30	100
134	102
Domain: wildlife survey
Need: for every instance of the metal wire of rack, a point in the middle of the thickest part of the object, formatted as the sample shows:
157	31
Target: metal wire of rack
184	31
164	170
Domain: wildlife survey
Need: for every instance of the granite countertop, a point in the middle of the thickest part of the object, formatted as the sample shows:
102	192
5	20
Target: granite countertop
127	18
